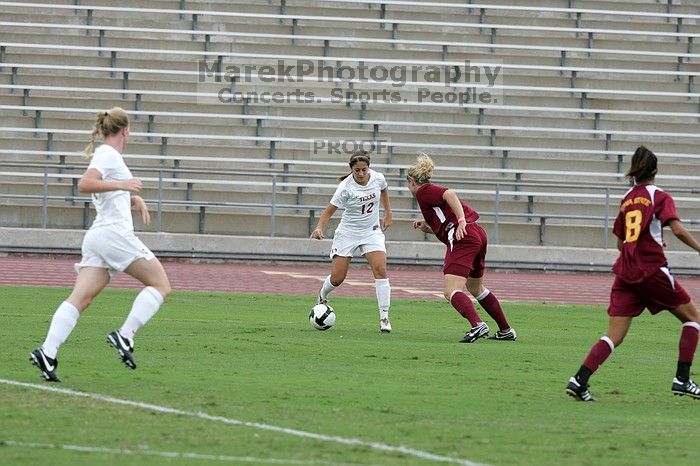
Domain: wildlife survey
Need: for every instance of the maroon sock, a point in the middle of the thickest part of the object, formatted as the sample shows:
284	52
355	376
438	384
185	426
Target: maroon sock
597	355
491	305
464	306
688	342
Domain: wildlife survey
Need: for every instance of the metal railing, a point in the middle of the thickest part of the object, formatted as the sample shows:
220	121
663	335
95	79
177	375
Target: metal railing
391	147
498	216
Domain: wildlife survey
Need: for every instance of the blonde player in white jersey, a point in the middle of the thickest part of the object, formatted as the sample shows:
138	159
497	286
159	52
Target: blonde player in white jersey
359	231
109	247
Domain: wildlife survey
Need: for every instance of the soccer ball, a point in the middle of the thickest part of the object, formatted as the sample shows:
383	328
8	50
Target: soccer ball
322	317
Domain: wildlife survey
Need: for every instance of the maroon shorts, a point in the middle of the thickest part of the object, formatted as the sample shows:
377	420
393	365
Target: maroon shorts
467	257
657	293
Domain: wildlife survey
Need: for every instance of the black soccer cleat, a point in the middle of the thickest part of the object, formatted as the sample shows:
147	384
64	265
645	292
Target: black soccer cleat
124	347
476	332
47	366
578	391
688	387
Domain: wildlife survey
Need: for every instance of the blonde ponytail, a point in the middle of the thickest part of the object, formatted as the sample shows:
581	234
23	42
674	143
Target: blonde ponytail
90	148
106	124
422	170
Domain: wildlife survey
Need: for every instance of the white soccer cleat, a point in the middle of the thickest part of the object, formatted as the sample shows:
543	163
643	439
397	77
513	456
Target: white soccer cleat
504	335
385	326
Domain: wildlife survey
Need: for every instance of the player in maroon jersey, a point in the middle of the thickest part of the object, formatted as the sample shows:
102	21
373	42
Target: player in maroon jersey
453	222
642	277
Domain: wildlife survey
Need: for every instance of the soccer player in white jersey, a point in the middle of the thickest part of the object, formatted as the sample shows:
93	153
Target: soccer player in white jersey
109	247
359	231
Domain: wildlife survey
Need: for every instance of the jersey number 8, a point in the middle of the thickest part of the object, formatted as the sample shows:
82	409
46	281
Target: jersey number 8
633	225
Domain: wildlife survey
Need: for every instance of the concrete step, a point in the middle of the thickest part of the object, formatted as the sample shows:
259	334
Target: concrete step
292	225
492	117
185	145
515	159
224	123
427	114
170	42
206	22
525	97
504	36
510	76
640	80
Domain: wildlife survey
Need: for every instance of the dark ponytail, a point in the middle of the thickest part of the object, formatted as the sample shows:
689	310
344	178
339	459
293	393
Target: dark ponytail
643	167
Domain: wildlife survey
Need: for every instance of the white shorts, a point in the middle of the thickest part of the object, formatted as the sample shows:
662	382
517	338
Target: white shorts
346	244
113	250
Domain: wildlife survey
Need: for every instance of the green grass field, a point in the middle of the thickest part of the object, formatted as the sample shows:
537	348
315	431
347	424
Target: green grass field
256	359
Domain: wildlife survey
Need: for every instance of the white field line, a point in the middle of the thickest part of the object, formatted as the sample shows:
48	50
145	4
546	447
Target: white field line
351	282
255	425
371	284
168	454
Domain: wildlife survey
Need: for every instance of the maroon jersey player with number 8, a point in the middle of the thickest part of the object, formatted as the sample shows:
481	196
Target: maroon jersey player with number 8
643	279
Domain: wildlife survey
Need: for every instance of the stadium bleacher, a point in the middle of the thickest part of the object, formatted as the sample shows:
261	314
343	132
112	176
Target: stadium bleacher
579	89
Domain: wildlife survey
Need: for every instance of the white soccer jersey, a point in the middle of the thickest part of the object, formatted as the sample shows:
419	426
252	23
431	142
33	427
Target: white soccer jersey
361	203
113	207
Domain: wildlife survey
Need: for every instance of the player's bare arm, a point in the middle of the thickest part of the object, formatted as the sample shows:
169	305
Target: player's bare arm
452	200
386	205
92	182
684	235
323	221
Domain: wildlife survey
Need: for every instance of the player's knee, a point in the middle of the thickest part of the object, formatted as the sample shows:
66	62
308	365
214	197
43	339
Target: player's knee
693	314
161	284
84	302
164	289
475	290
617	340
687	312
448	293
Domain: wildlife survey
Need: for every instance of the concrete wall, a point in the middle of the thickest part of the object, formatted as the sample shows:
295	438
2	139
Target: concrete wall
220	247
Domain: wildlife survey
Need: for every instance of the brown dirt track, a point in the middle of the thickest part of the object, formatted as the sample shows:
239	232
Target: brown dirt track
306	279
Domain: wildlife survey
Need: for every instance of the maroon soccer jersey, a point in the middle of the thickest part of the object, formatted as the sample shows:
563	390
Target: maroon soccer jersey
644	211
437	213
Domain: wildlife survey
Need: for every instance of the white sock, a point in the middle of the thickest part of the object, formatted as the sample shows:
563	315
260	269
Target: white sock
326	288
145	306
383	290
62	324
